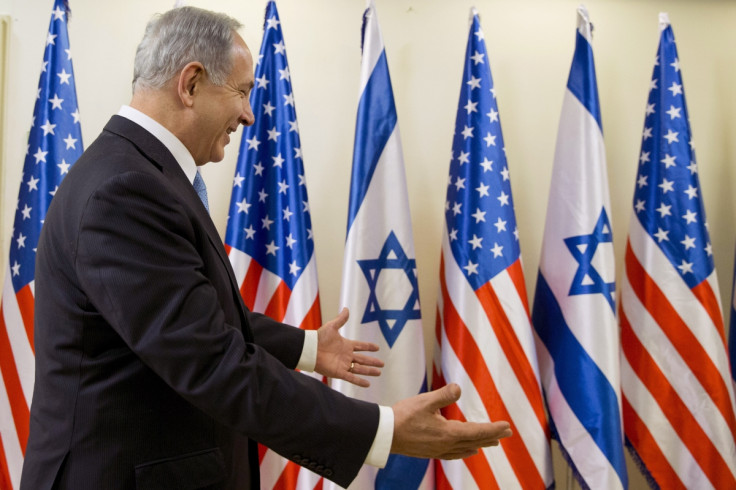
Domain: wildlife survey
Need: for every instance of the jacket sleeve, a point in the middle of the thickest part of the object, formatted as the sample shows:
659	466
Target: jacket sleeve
280	340
138	260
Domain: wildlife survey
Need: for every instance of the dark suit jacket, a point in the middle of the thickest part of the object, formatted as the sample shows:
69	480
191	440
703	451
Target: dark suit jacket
150	371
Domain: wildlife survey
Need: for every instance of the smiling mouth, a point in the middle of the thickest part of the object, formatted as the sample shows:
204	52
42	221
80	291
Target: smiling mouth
228	131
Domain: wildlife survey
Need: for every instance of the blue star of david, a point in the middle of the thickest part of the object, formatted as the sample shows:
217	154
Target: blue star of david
391	322
587	280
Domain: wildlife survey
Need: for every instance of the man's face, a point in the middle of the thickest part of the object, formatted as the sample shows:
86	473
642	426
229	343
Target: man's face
223	108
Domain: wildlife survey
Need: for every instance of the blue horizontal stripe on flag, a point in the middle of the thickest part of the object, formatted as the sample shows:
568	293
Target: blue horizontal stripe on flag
376	122
401	473
582	383
582	82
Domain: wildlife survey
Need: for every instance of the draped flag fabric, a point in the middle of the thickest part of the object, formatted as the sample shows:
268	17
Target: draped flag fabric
485	341
677	392
54	144
379	283
732	329
574	302
269	233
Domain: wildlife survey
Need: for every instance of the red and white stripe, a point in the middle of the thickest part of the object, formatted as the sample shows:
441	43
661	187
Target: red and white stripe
485	344
17	366
678	403
265	292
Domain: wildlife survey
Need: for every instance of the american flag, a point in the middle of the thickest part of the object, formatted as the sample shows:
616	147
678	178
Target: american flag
54	144
484	336
574	302
678	397
379	282
269	232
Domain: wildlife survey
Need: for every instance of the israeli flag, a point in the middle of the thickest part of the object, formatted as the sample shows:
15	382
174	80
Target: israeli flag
574	311
379	283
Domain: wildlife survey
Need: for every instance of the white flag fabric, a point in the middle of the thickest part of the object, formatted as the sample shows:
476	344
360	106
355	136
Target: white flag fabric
574	303
678	396
484	340
379	283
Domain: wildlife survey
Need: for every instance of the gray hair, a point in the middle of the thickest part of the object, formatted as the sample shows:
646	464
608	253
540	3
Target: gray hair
181	36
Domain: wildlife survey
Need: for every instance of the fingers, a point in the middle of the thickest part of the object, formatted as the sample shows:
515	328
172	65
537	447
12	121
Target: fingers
363	370
469	437
500	430
359	346
356	380
461	455
364	366
339	358
485	434
483	431
504	432
360	359
341	319
447	395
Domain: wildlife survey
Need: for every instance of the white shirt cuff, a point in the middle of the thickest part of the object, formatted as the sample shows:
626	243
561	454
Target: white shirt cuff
381	448
308	359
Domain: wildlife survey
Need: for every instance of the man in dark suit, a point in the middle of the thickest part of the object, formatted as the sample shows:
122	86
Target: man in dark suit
150	372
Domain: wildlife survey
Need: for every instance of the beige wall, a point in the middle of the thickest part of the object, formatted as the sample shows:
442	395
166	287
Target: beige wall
530	45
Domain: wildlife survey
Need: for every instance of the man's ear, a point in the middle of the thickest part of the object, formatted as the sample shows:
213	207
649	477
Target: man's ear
191	78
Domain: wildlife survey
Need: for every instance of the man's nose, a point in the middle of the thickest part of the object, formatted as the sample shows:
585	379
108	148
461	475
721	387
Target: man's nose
247	118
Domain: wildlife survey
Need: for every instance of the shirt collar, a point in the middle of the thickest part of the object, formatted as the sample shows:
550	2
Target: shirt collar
166	137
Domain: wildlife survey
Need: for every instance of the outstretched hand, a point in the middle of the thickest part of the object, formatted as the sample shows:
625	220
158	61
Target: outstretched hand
421	431
337	357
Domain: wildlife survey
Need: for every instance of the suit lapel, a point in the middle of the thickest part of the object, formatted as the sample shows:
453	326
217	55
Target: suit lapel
162	158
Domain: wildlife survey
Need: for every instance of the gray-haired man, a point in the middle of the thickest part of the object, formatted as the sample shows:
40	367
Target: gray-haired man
151	374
